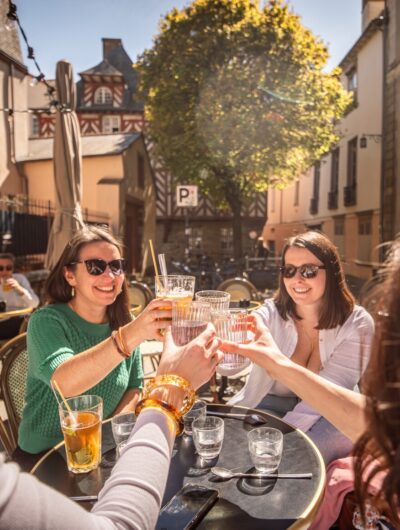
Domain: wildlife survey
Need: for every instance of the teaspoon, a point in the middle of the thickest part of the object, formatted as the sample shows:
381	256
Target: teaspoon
227	473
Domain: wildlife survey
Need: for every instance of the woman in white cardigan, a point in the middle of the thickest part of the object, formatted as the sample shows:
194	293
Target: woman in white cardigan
315	322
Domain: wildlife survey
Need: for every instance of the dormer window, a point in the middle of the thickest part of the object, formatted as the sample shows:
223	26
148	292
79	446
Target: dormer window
103	96
352	82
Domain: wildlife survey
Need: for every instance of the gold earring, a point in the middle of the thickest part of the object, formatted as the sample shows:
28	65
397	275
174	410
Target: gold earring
72	292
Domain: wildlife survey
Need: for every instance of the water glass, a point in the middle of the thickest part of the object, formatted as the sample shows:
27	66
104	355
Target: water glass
218	300
119	448
198	410
122	426
265	446
208	435
189	320
231	325
81	427
175	287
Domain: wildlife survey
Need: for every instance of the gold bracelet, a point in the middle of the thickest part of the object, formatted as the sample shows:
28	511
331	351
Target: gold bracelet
172	380
117	344
158	404
123	343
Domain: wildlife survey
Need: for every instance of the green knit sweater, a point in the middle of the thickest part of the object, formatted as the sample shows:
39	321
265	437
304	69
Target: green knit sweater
55	334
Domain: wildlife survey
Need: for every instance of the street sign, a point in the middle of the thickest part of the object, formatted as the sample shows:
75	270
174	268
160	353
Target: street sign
186	196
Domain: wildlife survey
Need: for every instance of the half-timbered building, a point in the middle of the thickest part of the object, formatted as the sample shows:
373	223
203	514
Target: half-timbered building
108	104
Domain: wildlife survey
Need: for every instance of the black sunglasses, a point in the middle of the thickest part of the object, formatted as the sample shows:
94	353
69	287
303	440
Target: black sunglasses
6	268
96	267
307	271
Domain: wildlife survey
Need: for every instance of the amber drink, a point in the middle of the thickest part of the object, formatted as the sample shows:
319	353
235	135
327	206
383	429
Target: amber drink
81	426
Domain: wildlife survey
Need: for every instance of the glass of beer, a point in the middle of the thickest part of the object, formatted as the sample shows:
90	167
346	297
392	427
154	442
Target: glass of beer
189	320
81	426
175	287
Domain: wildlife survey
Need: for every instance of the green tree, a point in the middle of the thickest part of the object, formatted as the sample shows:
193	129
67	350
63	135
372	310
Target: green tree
237	100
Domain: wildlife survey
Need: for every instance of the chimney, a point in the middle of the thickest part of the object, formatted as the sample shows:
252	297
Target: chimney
109	45
370	10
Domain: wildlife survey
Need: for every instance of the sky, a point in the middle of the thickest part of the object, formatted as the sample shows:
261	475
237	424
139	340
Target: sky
73	29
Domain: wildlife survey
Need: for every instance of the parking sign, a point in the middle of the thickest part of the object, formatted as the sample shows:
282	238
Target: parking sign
186	196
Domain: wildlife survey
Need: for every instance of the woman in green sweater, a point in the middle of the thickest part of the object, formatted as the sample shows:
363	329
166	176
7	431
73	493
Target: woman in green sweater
85	339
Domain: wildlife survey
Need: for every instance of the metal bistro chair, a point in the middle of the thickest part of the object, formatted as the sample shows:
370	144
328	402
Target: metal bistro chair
140	294
14	359
238	288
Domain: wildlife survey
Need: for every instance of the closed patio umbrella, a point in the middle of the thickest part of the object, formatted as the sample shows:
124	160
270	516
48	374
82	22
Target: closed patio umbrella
67	166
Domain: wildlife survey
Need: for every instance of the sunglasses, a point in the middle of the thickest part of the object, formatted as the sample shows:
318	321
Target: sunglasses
96	267
6	268
307	271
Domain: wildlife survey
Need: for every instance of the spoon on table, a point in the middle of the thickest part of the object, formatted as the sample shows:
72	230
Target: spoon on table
227	473
253	419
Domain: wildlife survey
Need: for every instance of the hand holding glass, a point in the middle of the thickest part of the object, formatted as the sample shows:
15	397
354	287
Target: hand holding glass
265	446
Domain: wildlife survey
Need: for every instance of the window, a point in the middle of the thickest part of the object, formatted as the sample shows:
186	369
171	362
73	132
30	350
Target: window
103	96
141	173
339	234
315	195
195	239
350	197
226	240
334	187
352	82
35	125
364	236
335	170
352	162
111	124
296	193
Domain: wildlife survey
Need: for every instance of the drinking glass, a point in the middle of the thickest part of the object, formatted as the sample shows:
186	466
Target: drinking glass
81	426
119	448
5	286
122	426
218	300
208	435
198	410
231	324
189	320
265	446
175	287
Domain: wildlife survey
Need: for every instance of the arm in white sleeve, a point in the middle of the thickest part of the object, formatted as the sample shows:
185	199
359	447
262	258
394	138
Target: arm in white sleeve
29	297
130	499
345	365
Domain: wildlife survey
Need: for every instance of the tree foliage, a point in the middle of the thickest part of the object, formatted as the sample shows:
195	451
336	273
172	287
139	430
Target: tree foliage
236	97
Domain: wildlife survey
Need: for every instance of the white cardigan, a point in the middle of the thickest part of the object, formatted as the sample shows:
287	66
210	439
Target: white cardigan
344	353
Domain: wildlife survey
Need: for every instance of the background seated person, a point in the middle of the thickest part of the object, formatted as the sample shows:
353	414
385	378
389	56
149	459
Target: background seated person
315	322
85	338
16	292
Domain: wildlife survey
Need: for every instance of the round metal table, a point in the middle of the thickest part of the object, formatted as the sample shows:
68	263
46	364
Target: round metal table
243	503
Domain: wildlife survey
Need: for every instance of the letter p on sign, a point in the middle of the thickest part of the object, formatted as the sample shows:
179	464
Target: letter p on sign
186	196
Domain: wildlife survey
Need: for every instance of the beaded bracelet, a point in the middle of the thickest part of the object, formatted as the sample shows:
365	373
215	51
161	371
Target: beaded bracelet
158	404
122	350
172	380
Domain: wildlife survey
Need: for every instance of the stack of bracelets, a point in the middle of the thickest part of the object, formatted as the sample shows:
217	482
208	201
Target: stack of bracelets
153	402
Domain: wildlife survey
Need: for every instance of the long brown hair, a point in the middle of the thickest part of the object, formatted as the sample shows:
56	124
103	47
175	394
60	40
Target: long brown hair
58	289
338	302
378	449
